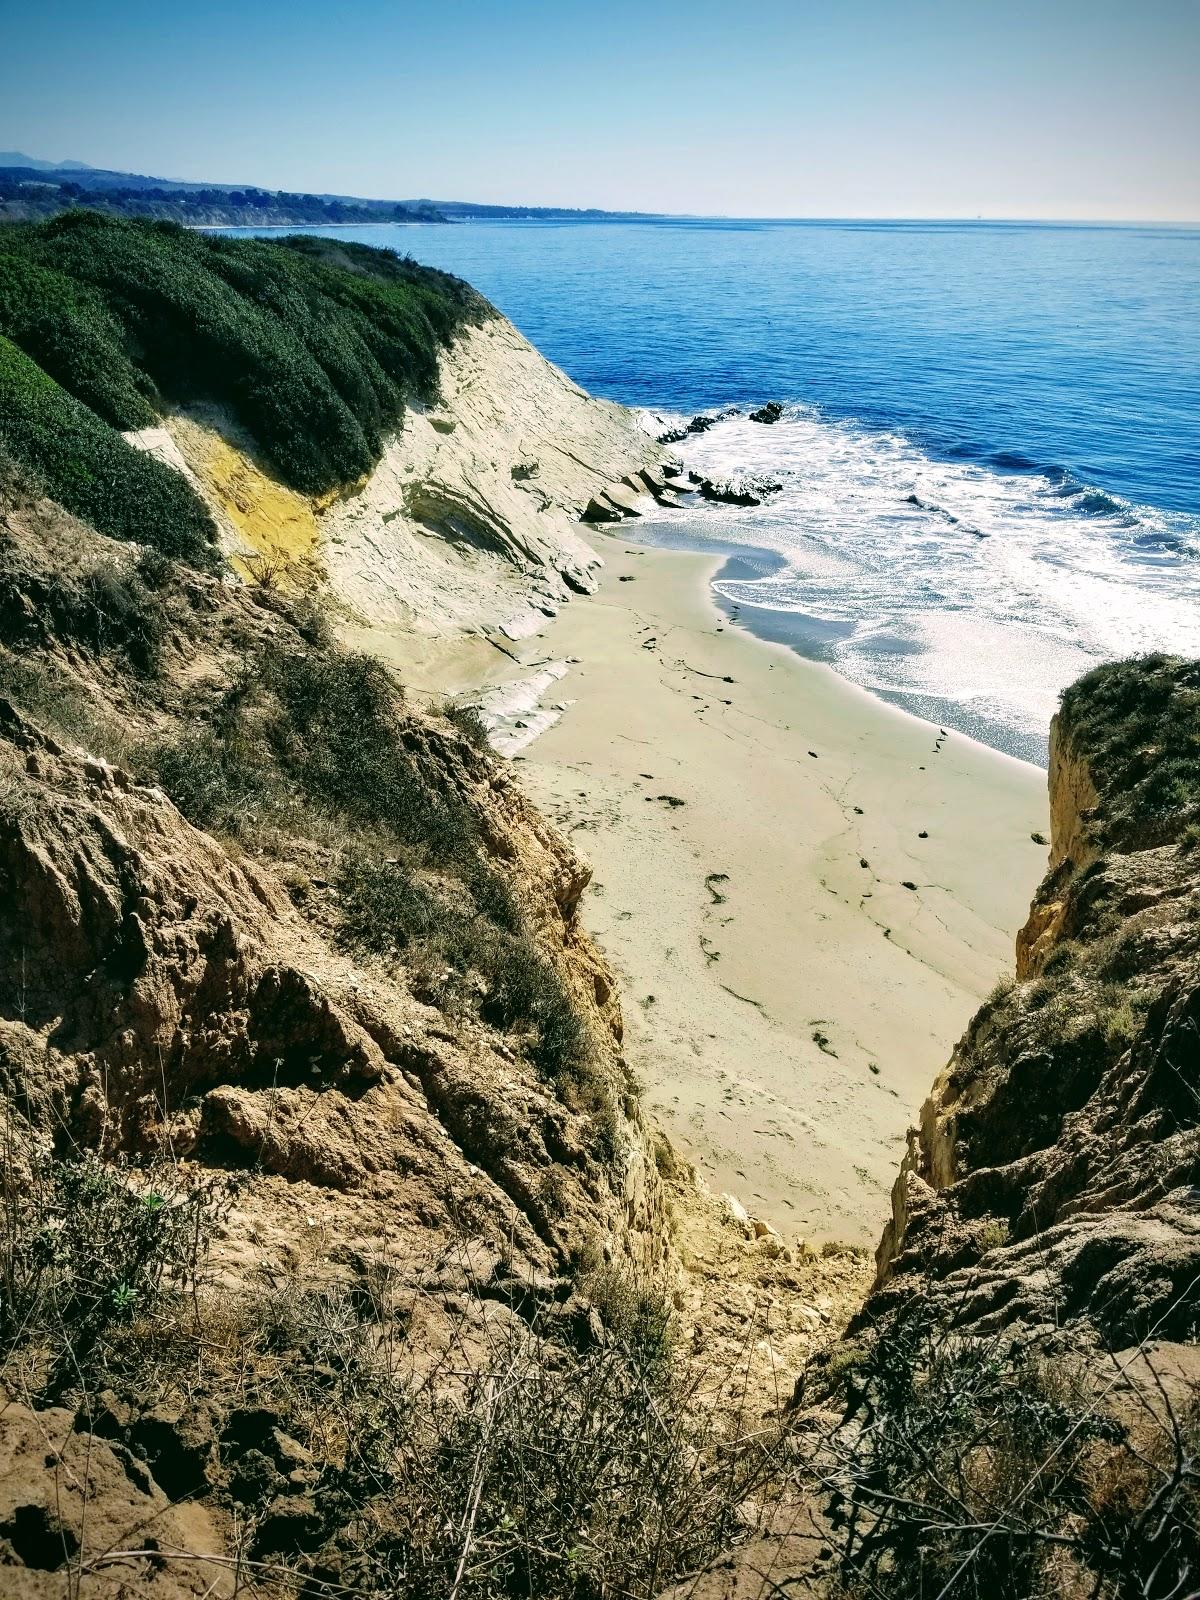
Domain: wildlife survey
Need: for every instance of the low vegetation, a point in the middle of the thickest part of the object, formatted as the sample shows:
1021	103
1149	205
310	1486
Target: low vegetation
313	345
316	744
522	1461
110	607
976	1468
88	1248
537	1455
90	469
1139	721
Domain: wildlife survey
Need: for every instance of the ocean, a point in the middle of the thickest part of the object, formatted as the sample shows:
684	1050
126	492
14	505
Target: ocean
989	457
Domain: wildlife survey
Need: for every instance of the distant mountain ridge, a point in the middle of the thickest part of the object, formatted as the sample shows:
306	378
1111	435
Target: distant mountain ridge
15	158
186	200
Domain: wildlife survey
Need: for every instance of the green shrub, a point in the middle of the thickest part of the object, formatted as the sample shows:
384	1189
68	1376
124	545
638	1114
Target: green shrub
1138	725
49	696
1117	1017
385	907
993	1235
113	611
469	722
211	775
633	1310
999	992
524	990
314	346
66	328
89	469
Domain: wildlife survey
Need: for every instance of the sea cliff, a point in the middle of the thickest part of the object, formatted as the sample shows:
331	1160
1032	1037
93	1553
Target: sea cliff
341	1254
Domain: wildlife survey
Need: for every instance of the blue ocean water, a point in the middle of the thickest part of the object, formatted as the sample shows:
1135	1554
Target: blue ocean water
990	454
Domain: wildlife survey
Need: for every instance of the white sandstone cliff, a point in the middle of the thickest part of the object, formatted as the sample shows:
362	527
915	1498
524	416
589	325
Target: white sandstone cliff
470	519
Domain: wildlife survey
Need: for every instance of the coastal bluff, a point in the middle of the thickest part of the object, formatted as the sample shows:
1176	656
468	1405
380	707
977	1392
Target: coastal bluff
340	1254
1052	1177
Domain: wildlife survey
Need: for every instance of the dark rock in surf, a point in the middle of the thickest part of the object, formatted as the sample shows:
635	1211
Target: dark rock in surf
698	424
771	412
725	494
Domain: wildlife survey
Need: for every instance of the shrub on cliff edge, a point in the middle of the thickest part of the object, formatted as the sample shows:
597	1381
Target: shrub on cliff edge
1137	724
314	346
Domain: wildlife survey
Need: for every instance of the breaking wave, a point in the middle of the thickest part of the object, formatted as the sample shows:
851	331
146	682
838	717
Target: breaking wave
970	591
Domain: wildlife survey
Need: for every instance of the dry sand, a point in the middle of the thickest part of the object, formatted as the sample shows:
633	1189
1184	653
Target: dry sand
753	821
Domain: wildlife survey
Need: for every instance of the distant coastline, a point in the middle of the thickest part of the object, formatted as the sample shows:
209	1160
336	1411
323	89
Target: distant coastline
32	190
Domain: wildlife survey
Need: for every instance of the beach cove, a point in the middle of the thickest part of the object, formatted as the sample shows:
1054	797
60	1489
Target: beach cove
805	892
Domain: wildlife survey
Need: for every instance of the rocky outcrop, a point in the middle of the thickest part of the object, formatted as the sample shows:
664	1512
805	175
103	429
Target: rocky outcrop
1073	799
699	424
1054	1177
1072	848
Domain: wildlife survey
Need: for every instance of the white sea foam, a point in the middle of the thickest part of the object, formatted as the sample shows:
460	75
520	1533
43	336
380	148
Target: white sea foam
946	583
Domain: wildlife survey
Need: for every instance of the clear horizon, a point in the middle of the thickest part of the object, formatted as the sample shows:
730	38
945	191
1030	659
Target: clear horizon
928	111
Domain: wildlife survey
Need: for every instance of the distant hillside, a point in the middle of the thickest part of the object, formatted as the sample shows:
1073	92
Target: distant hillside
32	192
32	189
469	210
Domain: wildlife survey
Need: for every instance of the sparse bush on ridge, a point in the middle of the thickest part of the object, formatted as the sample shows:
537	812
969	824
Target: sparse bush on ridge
469	722
974	1468
467	960
113	611
47	694
106	608
87	1247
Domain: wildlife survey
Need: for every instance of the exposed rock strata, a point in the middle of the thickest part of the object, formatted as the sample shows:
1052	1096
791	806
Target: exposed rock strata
474	505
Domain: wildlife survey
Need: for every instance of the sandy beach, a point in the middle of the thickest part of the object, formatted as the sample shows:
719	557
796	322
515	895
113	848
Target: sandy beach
805	892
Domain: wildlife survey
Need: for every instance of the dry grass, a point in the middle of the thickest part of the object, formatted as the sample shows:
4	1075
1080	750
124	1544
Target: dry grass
541	1451
969	1468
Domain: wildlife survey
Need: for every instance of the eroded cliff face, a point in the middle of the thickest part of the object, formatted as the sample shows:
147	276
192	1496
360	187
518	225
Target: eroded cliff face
165	989
1053	1178
345	1020
1073	799
469	521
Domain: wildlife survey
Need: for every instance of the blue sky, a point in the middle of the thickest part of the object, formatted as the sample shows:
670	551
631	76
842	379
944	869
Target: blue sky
1003	108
